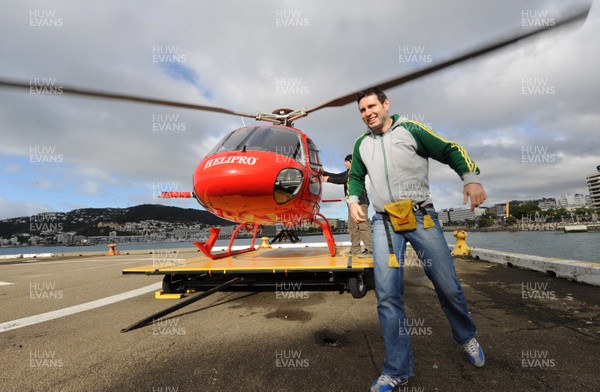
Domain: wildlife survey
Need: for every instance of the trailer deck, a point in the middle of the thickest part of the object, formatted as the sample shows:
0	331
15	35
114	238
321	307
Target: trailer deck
264	269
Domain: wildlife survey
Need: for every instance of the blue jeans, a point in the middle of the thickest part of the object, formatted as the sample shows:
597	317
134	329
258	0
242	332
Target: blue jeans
431	248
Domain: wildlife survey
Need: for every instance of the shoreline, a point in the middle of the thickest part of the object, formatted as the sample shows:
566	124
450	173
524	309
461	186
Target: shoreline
444	228
573	270
507	229
551	244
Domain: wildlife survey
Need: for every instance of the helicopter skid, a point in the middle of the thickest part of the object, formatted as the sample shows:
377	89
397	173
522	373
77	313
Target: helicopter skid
206	247
206	251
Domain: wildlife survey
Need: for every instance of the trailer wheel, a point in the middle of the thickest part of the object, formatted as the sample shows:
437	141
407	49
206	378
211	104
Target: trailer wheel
357	286
171	285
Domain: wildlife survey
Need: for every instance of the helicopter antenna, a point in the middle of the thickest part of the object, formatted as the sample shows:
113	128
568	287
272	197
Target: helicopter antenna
243	123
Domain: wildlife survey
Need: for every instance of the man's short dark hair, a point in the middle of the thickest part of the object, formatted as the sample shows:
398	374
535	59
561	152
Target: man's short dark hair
372	91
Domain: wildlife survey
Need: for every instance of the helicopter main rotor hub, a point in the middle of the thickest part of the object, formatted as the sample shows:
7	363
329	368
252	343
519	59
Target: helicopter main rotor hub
282	116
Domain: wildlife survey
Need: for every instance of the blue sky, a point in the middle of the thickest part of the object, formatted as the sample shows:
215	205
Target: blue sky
178	71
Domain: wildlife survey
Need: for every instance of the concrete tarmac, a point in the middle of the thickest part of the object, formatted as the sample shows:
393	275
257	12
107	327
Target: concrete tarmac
539	333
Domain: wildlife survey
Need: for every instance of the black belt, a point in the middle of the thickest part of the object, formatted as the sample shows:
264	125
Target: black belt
415	208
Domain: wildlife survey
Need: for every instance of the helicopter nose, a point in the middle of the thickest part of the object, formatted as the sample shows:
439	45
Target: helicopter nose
214	179
237	181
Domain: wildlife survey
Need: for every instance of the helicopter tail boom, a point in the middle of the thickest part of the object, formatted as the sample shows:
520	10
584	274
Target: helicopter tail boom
175	195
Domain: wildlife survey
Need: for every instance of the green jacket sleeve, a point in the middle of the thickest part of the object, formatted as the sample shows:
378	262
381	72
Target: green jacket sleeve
357	174
432	145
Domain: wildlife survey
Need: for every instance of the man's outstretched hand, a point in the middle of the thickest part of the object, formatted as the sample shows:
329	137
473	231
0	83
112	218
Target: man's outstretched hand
477	194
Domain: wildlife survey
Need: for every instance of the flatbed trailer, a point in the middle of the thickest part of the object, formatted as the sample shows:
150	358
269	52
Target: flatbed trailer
265	269
307	268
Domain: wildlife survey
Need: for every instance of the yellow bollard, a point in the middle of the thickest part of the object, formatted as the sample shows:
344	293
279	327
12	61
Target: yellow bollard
111	250
461	248
265	242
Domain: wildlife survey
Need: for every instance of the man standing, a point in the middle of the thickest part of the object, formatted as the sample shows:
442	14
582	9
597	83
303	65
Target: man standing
358	230
394	153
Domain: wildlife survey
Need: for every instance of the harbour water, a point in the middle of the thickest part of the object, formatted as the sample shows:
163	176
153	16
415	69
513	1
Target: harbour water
574	246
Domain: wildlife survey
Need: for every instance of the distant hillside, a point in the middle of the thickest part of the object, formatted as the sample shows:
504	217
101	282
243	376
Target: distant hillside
84	221
170	214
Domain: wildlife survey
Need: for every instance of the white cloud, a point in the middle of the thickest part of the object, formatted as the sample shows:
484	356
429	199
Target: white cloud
112	152
13	209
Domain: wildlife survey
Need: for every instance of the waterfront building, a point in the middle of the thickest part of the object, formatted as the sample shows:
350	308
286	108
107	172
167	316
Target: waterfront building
443	216
500	210
460	214
593	184
547	204
571	201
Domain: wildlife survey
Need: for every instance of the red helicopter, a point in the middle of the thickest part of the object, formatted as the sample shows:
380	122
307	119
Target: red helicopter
262	175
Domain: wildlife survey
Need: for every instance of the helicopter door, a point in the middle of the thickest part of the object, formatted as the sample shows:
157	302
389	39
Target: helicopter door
316	168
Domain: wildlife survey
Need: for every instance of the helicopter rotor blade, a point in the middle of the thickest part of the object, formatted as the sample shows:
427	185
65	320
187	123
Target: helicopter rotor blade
580	15
124	97
341	101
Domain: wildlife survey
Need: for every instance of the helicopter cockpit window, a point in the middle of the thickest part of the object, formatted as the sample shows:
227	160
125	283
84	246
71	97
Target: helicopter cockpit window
232	140
278	140
313	153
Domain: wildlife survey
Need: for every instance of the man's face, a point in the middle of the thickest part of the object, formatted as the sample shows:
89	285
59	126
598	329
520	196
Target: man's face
348	164
374	113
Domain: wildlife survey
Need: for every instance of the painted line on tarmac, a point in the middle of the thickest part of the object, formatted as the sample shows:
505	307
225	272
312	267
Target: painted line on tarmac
40	318
5	283
42	263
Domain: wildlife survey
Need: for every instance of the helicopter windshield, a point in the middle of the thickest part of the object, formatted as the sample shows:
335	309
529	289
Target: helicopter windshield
278	140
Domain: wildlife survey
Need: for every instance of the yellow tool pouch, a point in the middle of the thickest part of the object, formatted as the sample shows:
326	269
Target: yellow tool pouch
401	215
393	261
427	221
